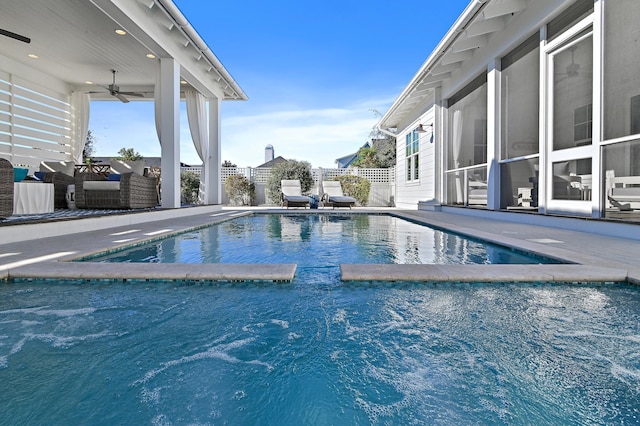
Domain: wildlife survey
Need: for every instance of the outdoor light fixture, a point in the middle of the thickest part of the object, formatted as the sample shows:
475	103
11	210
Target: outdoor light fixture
421	128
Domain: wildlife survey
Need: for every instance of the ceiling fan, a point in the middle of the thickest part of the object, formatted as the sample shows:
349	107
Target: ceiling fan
114	90
15	36
572	69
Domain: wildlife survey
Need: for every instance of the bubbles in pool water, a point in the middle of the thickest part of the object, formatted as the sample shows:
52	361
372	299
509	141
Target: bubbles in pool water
319	351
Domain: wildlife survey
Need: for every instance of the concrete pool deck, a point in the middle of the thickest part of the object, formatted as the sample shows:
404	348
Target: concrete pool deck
42	250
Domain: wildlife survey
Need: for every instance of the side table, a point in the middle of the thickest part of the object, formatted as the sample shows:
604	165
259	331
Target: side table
31	197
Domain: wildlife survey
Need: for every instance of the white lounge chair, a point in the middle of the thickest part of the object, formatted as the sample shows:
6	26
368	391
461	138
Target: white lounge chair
291	194
333	195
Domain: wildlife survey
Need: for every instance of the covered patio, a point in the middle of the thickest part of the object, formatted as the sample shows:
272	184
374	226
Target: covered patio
57	56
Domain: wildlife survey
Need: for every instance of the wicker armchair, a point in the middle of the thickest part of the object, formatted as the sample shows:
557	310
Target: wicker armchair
6	188
132	191
60	182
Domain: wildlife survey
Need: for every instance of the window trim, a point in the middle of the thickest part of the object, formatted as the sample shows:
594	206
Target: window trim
412	156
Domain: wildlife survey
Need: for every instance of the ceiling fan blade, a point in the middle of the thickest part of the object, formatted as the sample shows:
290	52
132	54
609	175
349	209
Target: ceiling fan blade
138	95
121	97
15	36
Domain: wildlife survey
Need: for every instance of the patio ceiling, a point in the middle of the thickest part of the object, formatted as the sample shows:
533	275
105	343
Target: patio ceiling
76	42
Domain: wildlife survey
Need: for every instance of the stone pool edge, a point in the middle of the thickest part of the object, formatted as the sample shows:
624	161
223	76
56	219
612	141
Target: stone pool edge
481	273
155	271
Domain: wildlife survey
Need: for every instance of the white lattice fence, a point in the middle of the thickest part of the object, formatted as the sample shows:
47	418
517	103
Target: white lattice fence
382	181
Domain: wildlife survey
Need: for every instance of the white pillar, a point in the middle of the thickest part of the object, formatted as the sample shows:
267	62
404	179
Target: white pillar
170	132
439	123
213	164
493	135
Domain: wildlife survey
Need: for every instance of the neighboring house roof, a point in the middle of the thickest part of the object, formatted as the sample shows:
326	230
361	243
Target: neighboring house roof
89	49
279	159
344	162
453	59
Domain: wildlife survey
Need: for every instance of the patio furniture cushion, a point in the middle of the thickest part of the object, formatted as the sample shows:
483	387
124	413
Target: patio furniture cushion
102	185
126	166
66	167
19	173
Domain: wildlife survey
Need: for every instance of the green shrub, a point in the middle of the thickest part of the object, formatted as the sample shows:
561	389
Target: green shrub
189	187
356	187
239	190
291	169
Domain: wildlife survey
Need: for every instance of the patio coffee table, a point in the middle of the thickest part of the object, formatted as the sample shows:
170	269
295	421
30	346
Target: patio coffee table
32	197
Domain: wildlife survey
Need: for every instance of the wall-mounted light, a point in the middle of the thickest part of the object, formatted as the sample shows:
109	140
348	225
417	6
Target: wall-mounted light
421	128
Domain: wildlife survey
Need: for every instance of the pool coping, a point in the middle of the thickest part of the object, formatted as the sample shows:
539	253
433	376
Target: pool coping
155	271
481	273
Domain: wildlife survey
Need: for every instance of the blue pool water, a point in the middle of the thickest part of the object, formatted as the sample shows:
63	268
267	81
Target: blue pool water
323	241
318	353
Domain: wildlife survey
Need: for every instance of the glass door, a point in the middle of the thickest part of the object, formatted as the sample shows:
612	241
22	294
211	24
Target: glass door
569	122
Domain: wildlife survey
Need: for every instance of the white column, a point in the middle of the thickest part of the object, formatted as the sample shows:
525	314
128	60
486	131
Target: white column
493	135
170	132
597	167
213	165
439	123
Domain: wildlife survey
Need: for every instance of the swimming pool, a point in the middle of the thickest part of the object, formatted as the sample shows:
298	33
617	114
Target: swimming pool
322	241
318	352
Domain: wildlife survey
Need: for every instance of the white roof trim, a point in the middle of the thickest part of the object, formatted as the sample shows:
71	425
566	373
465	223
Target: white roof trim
471	31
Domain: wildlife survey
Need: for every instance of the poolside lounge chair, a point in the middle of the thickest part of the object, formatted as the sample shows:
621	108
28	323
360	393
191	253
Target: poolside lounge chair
333	195
6	188
291	194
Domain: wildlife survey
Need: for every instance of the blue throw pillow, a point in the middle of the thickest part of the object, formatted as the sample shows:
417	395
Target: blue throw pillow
113	176
19	174
39	175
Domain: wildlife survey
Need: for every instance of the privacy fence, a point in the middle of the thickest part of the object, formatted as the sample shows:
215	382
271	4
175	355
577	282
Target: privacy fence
383	182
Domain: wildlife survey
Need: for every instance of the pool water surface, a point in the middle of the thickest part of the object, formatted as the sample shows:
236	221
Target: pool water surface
318	352
323	241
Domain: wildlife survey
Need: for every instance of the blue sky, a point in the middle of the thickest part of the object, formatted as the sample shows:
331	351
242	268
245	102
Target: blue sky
313	71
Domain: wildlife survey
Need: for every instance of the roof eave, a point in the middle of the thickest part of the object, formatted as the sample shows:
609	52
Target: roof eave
450	37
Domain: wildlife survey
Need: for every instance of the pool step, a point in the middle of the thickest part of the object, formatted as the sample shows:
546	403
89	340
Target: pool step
481	273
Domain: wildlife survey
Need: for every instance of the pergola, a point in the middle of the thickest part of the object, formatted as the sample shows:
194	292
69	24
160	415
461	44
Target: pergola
57	55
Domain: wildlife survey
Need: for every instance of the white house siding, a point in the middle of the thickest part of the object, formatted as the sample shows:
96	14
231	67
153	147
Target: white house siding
408	194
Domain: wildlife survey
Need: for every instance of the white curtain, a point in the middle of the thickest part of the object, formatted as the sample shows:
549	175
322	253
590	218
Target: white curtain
156	103
80	105
198	125
457	150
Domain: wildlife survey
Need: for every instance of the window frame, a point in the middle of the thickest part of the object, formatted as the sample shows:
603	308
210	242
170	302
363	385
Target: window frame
412	155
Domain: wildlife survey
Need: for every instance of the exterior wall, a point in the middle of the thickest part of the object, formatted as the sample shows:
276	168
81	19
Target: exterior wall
410	193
